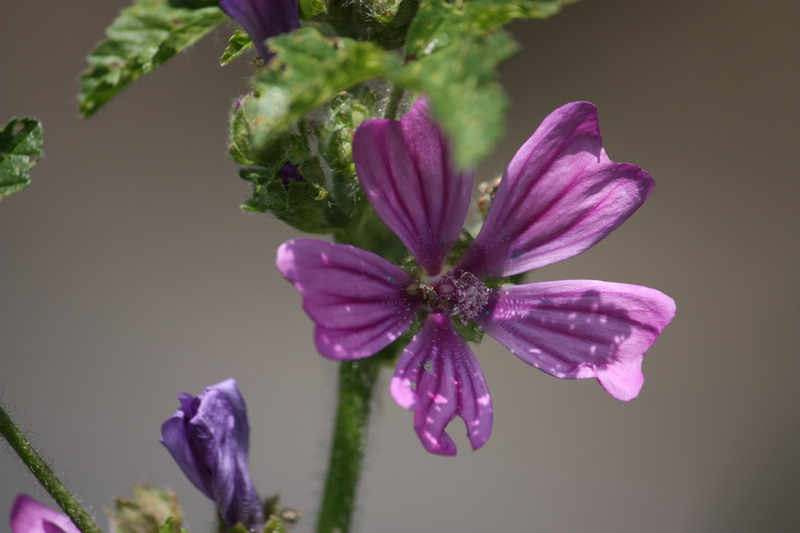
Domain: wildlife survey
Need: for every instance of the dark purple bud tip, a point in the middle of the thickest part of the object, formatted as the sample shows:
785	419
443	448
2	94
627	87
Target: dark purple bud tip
262	19
290	173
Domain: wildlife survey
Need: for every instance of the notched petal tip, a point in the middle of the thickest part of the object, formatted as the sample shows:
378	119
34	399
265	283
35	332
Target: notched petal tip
559	196
581	329
356	298
439	379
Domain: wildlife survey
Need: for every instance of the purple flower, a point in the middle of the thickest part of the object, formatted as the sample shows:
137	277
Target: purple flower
208	438
30	516
559	196
262	19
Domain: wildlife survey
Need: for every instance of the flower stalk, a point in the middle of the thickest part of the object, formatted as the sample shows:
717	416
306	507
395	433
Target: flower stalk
356	384
45	475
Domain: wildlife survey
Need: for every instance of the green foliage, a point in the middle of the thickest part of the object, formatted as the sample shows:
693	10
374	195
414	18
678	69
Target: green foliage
143	37
307	71
237	44
439	23
20	147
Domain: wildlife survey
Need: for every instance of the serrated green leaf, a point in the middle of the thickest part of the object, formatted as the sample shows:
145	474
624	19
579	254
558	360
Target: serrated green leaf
143	37
307	71
460	81
20	147
237	44
440	23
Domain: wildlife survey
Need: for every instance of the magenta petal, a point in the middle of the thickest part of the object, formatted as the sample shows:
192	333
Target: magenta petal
406	171
357	299
439	378
559	196
30	516
581	329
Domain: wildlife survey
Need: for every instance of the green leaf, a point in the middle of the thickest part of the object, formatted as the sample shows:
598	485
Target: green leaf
307	71
439	23
237	44
143	37
461	82
20	147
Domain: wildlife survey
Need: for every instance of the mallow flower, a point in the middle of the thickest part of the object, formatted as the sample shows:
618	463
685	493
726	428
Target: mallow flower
560	195
262	19
30	516
208	436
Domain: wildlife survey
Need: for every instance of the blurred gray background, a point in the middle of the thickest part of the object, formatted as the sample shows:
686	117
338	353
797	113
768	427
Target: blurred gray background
128	274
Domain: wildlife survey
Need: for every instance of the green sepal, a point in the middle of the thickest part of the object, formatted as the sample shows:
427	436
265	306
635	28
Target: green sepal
143	37
237	45
307	71
469	331
148	511
20	148
313	8
302	205
170	527
333	127
275	525
384	22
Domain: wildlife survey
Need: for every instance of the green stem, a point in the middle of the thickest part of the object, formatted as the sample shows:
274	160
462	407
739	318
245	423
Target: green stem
395	97
45	475
356	383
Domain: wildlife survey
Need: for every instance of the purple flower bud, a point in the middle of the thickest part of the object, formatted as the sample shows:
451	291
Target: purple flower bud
30	516
208	438
262	19
290	173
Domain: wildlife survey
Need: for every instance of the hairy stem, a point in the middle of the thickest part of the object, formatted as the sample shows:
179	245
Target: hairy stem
45	475
356	383
395	97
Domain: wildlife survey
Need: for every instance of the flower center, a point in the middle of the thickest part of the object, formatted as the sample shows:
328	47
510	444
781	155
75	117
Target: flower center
459	294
